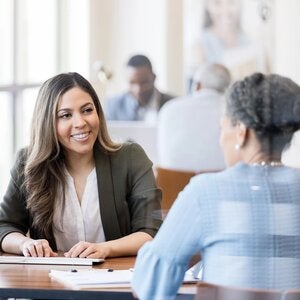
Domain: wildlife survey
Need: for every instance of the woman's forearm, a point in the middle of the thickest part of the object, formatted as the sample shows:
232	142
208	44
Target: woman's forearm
12	243
125	246
128	245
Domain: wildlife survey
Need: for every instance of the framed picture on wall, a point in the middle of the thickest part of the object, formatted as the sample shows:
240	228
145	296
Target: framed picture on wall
236	33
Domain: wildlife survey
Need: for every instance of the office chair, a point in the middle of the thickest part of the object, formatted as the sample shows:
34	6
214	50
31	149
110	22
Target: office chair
206	291
171	182
291	295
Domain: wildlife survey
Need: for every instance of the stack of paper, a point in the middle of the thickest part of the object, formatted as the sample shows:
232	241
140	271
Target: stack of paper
104	278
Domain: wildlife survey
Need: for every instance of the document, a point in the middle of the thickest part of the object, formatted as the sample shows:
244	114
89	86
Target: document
101	278
92	279
194	274
49	260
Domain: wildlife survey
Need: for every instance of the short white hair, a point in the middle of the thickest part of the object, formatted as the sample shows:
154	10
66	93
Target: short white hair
213	76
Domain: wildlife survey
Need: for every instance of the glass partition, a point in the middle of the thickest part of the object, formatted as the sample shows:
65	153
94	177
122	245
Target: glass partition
6	133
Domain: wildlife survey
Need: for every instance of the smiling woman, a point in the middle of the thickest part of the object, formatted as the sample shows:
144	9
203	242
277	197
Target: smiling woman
73	188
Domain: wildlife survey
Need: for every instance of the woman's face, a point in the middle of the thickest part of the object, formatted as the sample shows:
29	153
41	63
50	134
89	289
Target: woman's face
228	140
224	12
77	122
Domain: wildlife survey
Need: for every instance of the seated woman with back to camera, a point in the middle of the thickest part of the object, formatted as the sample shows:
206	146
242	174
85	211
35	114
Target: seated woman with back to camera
245	221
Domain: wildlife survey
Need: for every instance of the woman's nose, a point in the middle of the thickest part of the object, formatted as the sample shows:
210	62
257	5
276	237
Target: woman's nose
78	120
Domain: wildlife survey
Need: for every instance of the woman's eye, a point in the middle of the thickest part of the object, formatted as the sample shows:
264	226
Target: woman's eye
88	110
65	116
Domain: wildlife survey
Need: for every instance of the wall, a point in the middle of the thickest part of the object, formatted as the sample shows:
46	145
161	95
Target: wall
287	38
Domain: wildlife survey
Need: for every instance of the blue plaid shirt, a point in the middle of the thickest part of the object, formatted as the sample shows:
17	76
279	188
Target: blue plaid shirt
245	221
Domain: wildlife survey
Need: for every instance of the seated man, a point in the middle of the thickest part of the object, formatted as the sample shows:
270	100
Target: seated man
143	100
189	127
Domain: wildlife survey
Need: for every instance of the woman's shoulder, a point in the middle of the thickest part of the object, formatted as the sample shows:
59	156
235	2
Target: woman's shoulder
213	178
21	157
130	148
130	153
19	165
131	158
123	148
22	154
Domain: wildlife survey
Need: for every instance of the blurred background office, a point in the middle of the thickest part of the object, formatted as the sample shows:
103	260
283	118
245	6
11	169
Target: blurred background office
96	37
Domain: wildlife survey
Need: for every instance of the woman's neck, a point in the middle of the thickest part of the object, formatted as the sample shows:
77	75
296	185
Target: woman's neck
252	152
262	159
80	164
80	167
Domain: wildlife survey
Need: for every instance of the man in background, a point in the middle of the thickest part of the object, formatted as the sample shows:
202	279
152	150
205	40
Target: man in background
143	100
189	127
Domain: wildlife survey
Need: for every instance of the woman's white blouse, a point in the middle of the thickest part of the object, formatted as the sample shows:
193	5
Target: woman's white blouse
74	221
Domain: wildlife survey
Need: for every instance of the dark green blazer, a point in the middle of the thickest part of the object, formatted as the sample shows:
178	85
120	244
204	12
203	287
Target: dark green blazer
128	195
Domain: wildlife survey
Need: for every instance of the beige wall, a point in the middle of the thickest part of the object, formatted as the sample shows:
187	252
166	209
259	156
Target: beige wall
287	38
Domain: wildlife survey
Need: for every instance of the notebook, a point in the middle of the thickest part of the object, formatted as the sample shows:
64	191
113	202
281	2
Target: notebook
50	260
89	279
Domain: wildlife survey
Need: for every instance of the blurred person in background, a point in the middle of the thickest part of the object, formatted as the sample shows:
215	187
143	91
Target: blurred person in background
189	126
224	41
143	100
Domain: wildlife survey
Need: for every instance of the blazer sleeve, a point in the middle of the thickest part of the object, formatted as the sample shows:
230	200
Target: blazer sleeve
144	199
14	216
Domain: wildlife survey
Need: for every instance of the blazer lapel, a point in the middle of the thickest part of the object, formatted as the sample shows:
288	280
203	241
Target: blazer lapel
106	195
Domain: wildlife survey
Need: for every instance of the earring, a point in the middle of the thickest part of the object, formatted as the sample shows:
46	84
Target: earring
237	147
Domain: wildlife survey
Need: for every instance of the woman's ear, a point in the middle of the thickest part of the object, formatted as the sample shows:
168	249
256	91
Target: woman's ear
241	134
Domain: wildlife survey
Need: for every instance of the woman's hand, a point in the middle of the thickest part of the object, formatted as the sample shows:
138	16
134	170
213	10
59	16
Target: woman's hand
36	248
124	246
89	250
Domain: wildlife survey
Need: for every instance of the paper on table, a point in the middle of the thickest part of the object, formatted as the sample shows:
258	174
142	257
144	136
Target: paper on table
49	260
194	274
94	278
105	278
